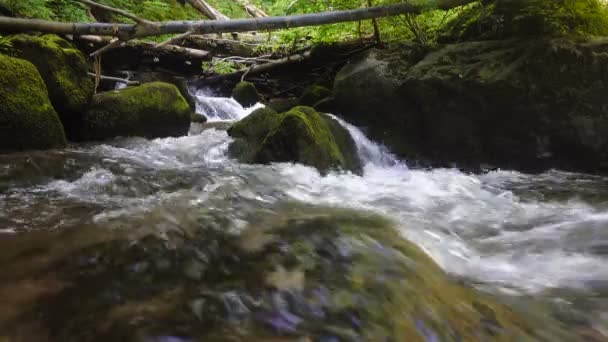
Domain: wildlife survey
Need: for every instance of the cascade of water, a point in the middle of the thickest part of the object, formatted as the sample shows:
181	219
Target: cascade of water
370	152
220	108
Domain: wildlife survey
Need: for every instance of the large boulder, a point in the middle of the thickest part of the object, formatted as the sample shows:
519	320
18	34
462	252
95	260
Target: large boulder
246	94
313	94
510	103
27	118
301	135
64	70
151	110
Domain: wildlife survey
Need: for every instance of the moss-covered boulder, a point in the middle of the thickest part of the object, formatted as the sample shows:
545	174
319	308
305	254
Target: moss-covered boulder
198	118
510	103
179	82
282	105
313	95
246	94
64	70
27	118
151	110
297	274
300	135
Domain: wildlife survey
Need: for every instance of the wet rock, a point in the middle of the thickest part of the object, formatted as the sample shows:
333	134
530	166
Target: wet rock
301	135
313	95
151	110
64	71
283	105
198	118
246	94
511	103
385	288
27	118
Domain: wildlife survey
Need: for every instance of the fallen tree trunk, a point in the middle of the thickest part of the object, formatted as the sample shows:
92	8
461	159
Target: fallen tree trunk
130	31
138	55
251	9
207	10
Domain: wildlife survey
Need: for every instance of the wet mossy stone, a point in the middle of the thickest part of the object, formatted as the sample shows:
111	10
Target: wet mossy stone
246	94
315	274
151	110
198	118
301	135
27	118
282	105
64	70
314	94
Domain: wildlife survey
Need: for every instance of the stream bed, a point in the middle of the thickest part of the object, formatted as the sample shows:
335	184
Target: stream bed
530	240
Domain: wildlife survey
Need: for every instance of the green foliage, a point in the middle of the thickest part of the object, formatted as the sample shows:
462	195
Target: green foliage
5	44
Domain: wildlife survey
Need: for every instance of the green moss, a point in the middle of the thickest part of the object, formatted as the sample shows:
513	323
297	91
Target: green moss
314	94
250	133
283	105
301	135
27	118
151	110
64	70
500	19
246	94
198	118
345	275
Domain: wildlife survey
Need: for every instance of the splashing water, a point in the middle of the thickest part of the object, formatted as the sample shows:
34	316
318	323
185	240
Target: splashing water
528	233
220	108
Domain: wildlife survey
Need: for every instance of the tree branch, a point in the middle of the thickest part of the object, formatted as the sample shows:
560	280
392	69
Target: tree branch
113	10
207	10
115	79
250	9
205	27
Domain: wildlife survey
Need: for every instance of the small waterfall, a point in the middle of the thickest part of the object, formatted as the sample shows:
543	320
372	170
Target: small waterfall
220	108
371	153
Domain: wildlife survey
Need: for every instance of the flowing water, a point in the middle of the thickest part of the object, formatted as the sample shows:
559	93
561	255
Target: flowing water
514	234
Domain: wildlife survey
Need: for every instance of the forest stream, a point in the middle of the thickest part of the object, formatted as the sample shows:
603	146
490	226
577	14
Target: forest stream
77	225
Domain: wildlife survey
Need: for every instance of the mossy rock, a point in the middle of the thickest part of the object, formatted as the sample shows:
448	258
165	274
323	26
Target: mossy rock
246	94
314	94
179	82
198	118
301	135
151	110
27	118
282	105
64	70
299	273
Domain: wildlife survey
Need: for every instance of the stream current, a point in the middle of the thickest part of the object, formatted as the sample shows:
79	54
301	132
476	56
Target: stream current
507	232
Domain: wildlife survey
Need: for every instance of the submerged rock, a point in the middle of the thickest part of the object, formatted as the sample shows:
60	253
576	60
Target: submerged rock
300	135
509	103
64	70
246	94
151	110
317	274
27	118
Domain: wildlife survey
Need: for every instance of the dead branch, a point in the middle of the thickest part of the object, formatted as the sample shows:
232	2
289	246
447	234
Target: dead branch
130	31
116	79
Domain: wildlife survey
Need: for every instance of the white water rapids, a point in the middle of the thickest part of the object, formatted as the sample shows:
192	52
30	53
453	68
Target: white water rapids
512	230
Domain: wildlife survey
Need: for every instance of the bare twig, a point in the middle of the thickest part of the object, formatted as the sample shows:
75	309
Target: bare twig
113	44
175	39
116	79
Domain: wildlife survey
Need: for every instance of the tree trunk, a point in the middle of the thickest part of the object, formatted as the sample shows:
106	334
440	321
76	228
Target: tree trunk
130	31
207	10
251	9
